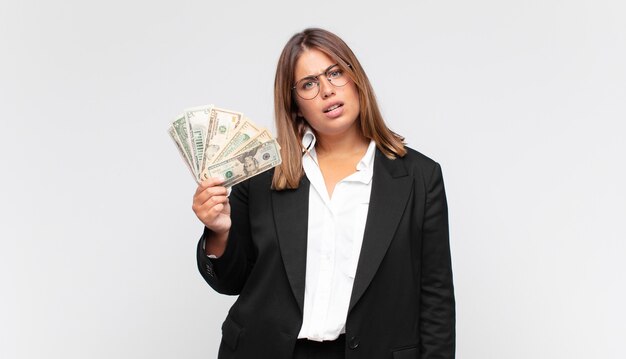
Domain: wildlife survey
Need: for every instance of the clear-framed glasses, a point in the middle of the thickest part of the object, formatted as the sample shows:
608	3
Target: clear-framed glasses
308	87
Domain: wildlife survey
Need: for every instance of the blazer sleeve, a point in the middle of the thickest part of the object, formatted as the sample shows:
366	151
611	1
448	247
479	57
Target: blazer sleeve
228	273
437	306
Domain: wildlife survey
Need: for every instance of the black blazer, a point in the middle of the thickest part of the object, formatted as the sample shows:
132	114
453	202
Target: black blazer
402	303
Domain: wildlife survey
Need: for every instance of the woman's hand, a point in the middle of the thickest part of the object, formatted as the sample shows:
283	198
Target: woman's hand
210	204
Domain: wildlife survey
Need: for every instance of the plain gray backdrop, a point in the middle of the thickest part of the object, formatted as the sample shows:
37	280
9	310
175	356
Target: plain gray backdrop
521	102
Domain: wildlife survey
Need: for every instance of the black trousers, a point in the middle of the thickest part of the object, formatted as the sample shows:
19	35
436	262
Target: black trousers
309	349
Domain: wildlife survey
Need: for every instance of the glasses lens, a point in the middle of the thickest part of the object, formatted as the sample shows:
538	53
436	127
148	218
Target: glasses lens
337	76
307	88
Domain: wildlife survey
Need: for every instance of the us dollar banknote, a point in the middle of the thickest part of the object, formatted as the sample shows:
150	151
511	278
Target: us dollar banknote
172	131
243	134
222	124
262	137
245	165
216	142
198	122
180	128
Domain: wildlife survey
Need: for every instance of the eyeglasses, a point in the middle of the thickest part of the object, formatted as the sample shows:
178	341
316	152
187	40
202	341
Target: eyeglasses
308	87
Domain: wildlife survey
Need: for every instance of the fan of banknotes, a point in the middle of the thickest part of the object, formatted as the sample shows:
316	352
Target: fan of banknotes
216	142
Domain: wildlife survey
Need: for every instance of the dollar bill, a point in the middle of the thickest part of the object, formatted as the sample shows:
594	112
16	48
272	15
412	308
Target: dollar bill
222	125
198	121
260	138
216	142
172	131
180	127
243	134
245	165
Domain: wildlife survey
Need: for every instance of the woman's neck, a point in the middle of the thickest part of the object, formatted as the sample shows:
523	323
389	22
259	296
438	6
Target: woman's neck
345	144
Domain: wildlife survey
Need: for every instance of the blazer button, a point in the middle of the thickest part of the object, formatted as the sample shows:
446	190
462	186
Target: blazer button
353	342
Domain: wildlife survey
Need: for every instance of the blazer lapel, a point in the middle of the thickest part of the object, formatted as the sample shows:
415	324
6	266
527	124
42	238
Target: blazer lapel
390	191
291	216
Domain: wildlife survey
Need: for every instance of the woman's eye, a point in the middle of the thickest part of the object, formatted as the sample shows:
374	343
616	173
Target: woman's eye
307	85
333	74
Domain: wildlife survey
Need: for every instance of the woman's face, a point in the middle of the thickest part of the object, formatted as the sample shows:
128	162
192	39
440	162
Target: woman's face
335	109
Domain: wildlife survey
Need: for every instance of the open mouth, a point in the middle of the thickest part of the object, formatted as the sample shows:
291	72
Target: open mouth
333	107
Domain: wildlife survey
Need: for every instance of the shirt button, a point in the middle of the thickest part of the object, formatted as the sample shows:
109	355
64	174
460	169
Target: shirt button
353	342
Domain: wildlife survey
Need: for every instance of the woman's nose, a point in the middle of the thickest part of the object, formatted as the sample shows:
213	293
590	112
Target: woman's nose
326	88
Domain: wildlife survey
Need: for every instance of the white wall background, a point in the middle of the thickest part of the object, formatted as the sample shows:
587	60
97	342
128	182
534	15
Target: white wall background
522	103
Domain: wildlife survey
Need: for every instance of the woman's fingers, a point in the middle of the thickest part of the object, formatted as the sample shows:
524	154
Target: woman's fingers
208	188
211	182
208	193
210	204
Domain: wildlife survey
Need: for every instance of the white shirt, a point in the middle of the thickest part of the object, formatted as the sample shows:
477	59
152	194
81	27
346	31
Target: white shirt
335	235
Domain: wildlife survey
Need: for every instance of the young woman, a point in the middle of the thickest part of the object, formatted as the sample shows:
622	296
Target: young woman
342	251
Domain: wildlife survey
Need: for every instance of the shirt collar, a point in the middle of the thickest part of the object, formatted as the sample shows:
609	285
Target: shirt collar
367	162
308	140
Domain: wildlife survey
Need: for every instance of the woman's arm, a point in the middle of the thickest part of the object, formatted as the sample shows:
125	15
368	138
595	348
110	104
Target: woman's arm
437	308
228	273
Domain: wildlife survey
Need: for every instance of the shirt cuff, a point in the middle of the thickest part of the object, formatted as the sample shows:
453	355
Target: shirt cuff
212	256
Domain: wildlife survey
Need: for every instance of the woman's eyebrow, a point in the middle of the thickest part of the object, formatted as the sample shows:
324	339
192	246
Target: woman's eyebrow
319	74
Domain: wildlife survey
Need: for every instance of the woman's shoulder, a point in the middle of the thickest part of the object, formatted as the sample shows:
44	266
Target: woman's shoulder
416	159
418	164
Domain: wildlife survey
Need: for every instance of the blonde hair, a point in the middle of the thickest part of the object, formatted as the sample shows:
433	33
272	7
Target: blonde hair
290	127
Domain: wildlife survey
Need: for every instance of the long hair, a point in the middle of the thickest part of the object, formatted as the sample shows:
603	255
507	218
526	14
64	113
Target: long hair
290	127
